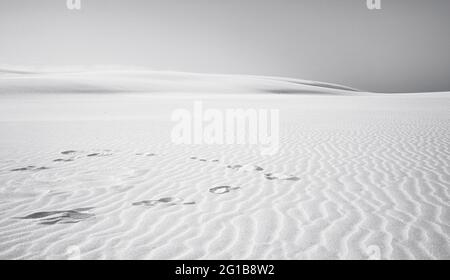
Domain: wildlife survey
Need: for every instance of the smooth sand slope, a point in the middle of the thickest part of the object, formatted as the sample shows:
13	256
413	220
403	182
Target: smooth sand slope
88	170
140	81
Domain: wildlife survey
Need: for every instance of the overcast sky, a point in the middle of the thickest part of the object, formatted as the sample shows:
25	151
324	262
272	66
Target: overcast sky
403	47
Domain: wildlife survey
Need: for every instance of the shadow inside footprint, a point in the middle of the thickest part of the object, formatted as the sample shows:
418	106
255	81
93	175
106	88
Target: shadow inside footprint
237	166
277	176
42	168
68	152
62	160
61	217
293	178
100	154
30	168
146	154
23	168
247	167
222	189
167	201
93	155
203	159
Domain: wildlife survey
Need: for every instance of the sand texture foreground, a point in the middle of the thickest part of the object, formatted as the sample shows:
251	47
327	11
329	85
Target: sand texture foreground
95	176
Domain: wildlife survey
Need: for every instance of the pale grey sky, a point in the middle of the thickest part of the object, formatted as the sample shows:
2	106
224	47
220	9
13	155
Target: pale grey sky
403	47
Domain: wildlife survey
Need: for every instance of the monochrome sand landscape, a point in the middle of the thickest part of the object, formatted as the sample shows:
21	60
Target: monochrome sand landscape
88	170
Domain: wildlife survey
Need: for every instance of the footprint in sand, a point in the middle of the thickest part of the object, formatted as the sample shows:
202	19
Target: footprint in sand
199	159
62	160
69	152
30	168
279	176
61	217
146	154
105	153
93	155
203	159
251	168
165	201
66	153
247	167
222	189
102	153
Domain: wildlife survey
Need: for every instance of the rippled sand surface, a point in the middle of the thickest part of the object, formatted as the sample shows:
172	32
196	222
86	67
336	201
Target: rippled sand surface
95	176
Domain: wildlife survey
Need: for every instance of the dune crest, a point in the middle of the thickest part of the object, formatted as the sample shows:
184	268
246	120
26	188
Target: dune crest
103	80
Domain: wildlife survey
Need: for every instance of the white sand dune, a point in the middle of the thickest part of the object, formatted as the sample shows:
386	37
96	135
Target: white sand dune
95	176
132	81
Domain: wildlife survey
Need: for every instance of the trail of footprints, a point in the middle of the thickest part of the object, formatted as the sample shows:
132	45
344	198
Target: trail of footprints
69	155
250	168
72	155
81	214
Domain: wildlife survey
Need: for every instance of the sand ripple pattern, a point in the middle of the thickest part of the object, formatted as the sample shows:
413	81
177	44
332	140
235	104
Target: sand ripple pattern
347	187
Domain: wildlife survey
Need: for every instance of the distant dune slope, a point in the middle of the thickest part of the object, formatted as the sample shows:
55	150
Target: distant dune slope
113	81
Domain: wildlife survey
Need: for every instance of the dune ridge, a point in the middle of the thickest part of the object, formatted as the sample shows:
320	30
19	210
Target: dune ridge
147	81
